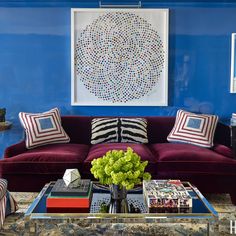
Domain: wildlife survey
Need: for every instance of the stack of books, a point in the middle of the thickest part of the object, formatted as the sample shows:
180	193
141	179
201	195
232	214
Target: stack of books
63	199
233	118
166	196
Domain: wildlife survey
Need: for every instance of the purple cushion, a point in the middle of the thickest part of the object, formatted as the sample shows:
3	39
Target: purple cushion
98	150
52	159
190	159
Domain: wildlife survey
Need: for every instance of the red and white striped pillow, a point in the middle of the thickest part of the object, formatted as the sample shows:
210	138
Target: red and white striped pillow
43	128
3	188
197	129
8	204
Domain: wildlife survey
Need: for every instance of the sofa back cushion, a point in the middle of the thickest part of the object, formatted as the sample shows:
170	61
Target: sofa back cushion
158	128
79	128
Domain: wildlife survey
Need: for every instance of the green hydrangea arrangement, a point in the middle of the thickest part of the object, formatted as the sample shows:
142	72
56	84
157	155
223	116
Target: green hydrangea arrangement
123	168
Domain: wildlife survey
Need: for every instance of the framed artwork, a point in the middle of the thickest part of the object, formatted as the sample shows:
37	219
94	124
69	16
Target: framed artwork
233	64
119	57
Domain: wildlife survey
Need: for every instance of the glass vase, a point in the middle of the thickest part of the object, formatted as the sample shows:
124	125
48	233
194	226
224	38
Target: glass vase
118	202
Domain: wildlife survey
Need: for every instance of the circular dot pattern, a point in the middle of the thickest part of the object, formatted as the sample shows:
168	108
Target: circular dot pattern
119	57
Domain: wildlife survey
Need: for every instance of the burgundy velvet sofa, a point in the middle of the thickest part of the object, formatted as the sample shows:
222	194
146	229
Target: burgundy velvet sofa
211	170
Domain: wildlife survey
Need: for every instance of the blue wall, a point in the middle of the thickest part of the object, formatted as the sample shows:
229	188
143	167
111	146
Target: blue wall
35	61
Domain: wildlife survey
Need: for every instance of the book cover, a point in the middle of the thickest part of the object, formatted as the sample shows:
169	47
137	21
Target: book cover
60	188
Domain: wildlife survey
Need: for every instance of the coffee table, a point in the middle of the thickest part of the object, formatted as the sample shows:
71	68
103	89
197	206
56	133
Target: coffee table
202	211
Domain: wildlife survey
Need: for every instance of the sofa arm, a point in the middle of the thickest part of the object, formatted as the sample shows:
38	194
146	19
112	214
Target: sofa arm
224	150
15	149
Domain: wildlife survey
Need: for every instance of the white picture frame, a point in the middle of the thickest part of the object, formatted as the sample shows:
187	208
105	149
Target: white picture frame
233	64
88	89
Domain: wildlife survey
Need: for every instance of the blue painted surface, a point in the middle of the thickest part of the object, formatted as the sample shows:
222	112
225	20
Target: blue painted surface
35	61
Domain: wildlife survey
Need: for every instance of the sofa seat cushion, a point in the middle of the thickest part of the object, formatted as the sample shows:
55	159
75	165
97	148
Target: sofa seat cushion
180	158
98	150
48	159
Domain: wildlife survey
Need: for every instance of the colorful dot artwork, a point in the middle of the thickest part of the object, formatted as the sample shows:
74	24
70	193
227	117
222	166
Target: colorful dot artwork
119	57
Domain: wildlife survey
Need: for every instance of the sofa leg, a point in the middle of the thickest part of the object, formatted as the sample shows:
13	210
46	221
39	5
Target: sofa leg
233	198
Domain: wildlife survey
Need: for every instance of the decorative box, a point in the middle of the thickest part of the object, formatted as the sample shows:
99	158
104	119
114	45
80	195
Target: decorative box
63	199
166	196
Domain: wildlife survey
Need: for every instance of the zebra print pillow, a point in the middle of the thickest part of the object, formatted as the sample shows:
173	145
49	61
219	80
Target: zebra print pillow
104	130
119	130
133	130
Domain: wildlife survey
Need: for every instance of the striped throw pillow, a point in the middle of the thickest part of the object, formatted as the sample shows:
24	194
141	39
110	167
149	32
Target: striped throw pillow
3	200
43	128
3	188
116	130
8	204
133	130
104	130
193	129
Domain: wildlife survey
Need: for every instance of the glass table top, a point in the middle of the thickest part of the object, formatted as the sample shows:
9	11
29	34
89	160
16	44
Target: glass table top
201	209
